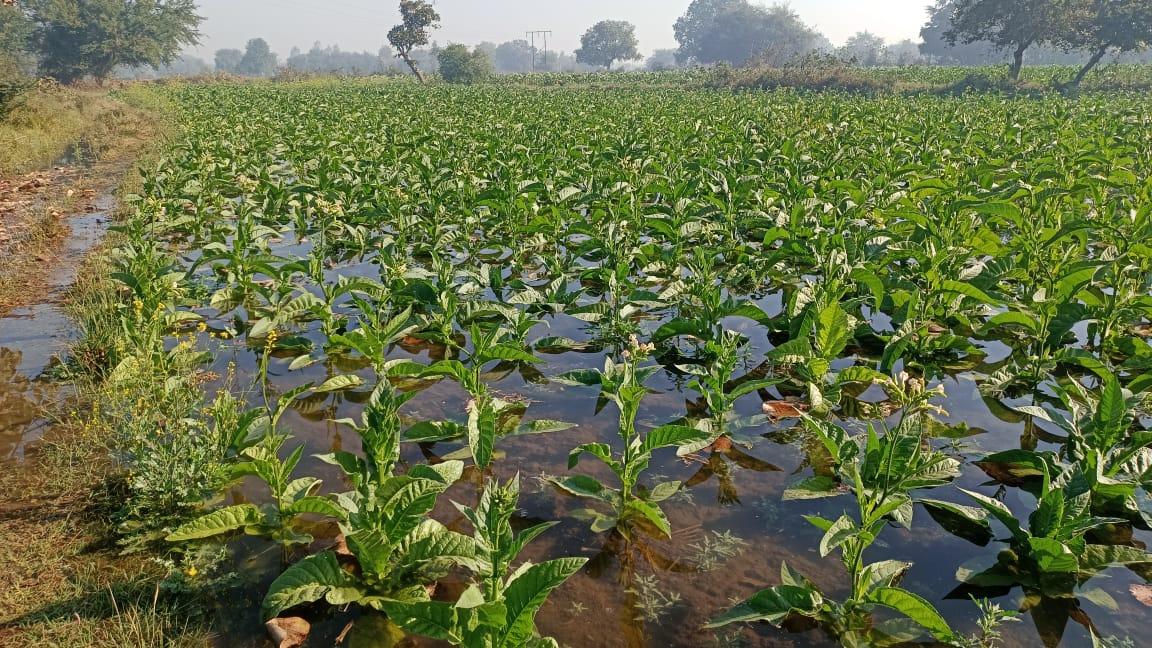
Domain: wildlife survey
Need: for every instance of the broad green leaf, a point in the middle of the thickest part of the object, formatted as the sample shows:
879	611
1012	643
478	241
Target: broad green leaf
312	579
668	436
339	383
225	520
915	608
841	531
772	605
433	619
528	591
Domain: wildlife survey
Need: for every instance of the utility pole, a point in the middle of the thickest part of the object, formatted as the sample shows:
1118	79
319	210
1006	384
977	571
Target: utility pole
532	38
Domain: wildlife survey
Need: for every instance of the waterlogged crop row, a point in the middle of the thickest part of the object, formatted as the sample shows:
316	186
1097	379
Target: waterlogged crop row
810	275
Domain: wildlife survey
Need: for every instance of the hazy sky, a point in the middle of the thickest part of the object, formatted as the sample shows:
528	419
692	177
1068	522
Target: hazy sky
363	24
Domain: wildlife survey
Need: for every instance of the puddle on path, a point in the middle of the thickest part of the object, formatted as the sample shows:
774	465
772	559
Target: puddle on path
33	336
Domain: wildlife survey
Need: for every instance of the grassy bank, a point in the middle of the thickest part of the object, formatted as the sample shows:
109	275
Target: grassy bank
101	133
52	121
72	580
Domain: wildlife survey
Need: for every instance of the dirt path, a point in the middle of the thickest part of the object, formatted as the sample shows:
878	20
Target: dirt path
41	215
66	585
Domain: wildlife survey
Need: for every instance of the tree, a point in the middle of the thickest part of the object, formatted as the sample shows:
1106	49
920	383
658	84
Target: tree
903	53
458	65
1100	26
662	59
418	17
608	41
332	60
1013	25
15	40
697	25
259	60
745	34
79	38
513	56
935	45
228	60
16	63
183	67
15	32
865	48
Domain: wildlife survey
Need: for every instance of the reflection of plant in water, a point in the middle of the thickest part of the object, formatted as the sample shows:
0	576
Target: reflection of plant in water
725	462
1115	642
541	481
652	601
729	640
767	509
717	548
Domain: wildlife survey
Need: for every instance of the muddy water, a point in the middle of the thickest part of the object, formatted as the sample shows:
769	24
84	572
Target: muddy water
731	528
32	337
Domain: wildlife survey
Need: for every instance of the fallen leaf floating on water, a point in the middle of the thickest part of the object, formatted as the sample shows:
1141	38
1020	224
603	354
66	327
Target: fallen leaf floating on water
288	632
1143	593
784	409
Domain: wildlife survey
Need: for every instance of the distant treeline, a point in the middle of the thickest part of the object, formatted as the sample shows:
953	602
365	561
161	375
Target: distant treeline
741	34
257	60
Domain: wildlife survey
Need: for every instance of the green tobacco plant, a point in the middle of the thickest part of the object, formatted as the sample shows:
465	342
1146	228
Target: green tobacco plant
489	417
1052	558
719	390
1114	461
398	549
823	336
379	432
376	336
278	520
880	471
1052	555
623	384
499	609
1040	329
716	385
704	305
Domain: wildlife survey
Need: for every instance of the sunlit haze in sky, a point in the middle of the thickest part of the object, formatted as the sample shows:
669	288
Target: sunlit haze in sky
357	25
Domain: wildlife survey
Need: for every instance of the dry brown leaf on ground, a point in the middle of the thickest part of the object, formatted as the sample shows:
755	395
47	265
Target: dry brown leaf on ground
288	632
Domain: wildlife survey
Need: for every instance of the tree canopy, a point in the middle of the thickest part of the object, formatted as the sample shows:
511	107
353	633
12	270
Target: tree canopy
1013	25
79	38
418	18
513	56
865	48
738	32
458	65
331	59
1100	26
259	60
15	33
228	60
608	41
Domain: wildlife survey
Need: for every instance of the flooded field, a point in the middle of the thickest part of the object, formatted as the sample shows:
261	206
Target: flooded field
897	345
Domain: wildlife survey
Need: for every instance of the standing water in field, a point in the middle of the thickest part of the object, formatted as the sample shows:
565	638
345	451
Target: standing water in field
784	370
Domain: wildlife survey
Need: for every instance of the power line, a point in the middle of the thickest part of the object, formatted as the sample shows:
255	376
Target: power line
532	36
